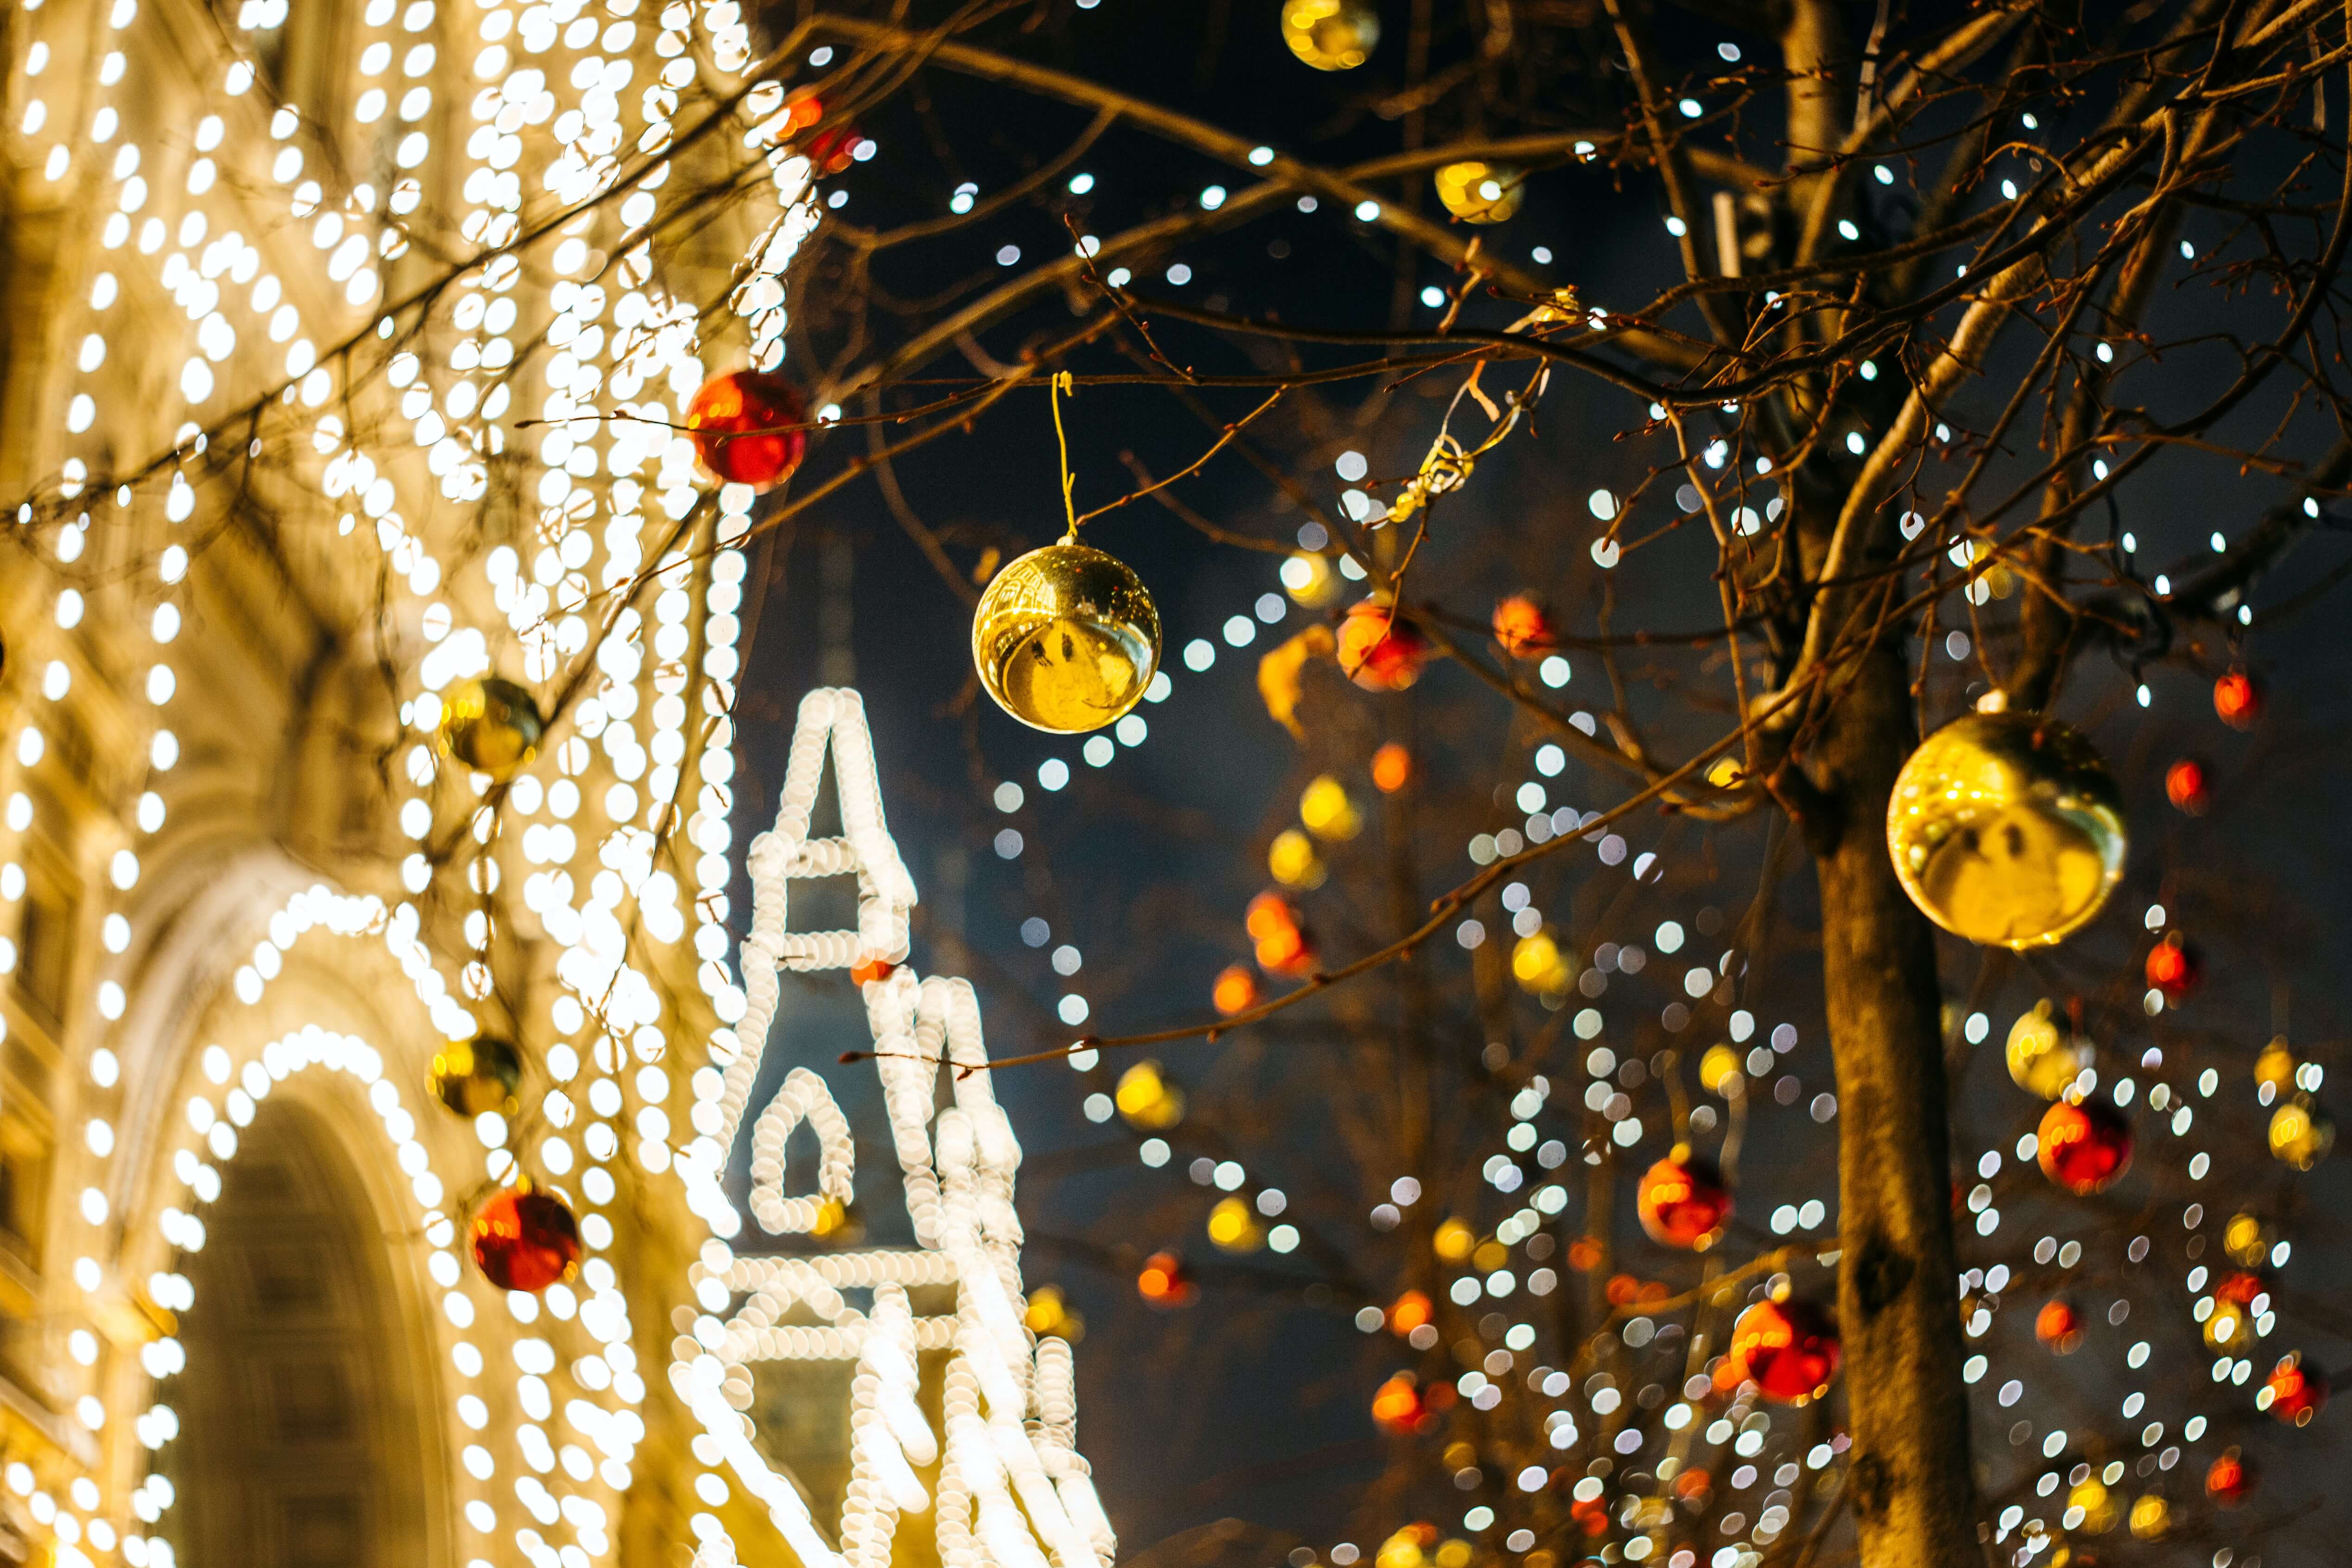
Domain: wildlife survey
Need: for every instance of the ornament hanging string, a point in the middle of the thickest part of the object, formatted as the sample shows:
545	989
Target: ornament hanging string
1064	381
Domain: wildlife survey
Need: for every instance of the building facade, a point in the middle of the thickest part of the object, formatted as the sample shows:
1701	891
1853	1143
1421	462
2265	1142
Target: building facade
346	350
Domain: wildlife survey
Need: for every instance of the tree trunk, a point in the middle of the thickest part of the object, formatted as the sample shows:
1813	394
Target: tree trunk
1910	1485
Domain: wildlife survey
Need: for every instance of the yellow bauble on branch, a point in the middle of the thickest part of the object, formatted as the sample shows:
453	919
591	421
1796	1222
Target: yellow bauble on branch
1479	191
1331	35
2301	1133
1065	639
2007	829
2044	1053
492	726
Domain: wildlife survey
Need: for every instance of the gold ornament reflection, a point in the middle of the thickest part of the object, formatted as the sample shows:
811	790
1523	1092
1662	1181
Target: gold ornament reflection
491	725
1065	639
2044	1053
2006	828
1331	35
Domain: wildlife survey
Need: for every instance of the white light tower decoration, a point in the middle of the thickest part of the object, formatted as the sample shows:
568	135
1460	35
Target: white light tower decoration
1011	1489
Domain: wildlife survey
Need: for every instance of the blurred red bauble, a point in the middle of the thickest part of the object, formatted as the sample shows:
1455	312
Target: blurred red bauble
525	1239
2294	1392
867	968
744	426
1397	1408
2188	786
2240	1288
1281	940
1522	627
834	149
1411	1311
1683	1202
2084	1147
2058	1326
2238	698
1391	768
2229	1480
1234	990
1165	1282
1789	1350
1380	650
2173	967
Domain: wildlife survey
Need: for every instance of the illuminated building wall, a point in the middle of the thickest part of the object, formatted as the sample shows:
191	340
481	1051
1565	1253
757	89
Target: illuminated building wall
291	473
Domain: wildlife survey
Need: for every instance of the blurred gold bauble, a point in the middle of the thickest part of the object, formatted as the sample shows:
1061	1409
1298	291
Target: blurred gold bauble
1148	1100
1539	966
1291	860
1331	35
2274	1068
1310	579
2098	1508
1718	1068
2301	1133
2044	1054
491	725
1234	1227
1477	192
2151	1516
1453	1241
1065	639
1328	812
2228	1326
2247	1239
2007	829
1048	1314
483	1074
839	1223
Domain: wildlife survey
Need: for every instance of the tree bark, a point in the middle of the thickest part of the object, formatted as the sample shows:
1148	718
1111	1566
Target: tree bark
1910	1483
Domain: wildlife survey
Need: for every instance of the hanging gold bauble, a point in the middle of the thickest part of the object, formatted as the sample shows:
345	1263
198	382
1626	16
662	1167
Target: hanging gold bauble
2274	1068
839	1223
1065	639
1146	1099
2301	1133
1331	35
2007	829
1234	1227
483	1074
2098	1508
2151	1516
2247	1239
1539	965
491	725
1479	191
2044	1053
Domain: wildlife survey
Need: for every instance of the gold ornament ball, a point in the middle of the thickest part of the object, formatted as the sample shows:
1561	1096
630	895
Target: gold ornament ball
2151	1516
483	1074
2247	1239
2044	1056
2098	1508
2006	828
1065	639
492	726
2301	1133
839	1223
1331	35
2274	1068
1478	191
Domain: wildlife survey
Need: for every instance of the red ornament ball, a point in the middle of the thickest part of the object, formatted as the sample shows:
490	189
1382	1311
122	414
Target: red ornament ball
2085	1147
2238	698
2295	1393
1397	1407
525	1239
1522	627
1683	1202
1789	1350
1165	1281
745	428
1378	649
2058	1326
867	968
2173	967
2188	785
2229	1480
